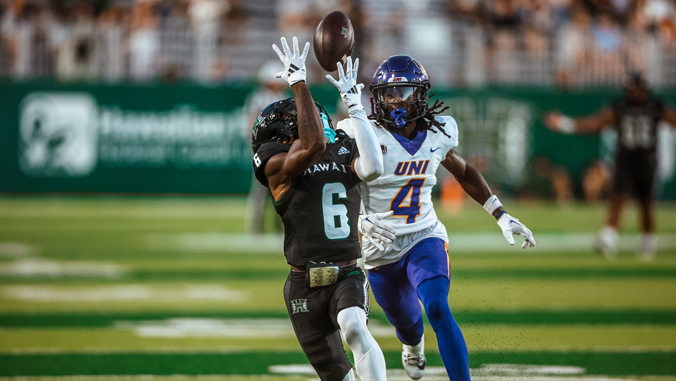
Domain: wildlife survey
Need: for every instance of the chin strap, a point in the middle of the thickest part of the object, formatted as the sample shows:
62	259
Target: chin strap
399	115
329	133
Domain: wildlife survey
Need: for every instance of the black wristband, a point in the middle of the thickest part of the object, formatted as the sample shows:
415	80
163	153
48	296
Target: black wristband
500	213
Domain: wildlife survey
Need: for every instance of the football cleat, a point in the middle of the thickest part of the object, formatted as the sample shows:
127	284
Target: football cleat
413	358
647	249
607	242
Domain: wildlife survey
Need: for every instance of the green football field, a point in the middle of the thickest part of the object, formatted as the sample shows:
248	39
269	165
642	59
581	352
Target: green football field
172	289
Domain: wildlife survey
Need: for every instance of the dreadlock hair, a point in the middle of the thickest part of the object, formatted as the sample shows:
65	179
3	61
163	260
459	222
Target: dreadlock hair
428	121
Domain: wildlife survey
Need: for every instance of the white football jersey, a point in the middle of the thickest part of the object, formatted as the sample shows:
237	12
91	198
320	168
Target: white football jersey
405	185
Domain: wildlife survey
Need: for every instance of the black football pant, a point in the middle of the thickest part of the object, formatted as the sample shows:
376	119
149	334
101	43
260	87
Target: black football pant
314	314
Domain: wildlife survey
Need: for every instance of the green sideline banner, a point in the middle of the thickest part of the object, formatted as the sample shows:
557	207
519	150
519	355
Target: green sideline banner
190	139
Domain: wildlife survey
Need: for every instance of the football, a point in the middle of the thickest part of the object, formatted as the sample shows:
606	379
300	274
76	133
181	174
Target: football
333	40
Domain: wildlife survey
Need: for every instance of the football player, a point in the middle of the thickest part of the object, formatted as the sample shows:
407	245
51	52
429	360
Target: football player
415	139
312	172
635	117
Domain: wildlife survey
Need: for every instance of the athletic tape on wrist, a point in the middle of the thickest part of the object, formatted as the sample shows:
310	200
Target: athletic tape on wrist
566	125
492	204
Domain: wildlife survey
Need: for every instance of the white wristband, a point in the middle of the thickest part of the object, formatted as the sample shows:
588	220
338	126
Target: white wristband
566	125
492	204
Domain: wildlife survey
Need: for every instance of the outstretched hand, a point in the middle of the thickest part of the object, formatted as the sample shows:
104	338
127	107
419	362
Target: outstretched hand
350	90
294	63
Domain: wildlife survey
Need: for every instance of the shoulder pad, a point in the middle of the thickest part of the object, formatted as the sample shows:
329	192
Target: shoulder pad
346	125
451	128
261	157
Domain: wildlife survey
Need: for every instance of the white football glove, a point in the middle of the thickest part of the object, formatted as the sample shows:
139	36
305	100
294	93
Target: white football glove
375	230
294	63
511	226
350	90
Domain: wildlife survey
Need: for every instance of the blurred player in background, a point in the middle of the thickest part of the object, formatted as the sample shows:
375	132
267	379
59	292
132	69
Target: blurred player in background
269	91
415	139
312	172
635	117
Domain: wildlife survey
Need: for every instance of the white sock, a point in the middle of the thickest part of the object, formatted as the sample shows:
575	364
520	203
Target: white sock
648	246
416	349
368	357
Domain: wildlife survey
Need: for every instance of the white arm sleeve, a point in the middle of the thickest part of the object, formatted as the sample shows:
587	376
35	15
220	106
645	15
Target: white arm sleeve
369	164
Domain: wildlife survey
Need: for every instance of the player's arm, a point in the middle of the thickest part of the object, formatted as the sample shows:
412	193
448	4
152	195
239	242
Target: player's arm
594	123
310	145
369	165
474	184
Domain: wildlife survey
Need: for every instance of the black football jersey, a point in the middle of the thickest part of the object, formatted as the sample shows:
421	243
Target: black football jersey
321	208
637	127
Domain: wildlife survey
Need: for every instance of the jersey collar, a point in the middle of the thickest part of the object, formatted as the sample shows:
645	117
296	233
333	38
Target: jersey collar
411	146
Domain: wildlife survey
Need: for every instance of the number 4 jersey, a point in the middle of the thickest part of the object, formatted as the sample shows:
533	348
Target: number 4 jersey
405	187
321	208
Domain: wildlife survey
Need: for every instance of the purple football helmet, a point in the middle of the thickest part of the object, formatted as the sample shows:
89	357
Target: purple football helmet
400	88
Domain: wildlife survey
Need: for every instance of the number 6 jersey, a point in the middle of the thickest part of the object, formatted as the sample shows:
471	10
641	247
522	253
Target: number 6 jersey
321	208
405	187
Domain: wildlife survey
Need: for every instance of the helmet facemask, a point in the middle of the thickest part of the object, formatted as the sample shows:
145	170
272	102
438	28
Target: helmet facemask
399	104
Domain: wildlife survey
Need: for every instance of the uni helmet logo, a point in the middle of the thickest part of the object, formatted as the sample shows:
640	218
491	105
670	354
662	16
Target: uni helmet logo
344	32
398	79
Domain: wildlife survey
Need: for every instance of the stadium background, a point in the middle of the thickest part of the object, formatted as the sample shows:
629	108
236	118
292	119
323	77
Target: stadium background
124	160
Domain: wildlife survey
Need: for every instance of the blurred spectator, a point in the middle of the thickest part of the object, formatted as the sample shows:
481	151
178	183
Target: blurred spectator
637	43
77	56
205	16
112	32
297	18
359	18
467	10
234	20
573	46
42	58
661	15
144	41
560	12
505	41
607	39
176	57
502	13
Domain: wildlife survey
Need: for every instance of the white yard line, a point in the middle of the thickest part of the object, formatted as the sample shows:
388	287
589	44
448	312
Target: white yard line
492	372
105	294
458	242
